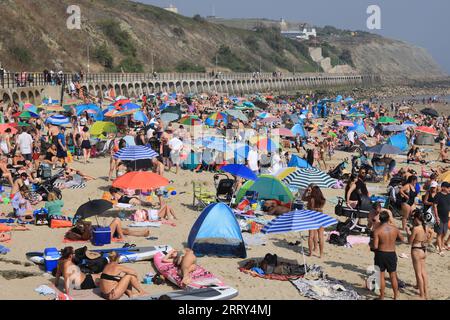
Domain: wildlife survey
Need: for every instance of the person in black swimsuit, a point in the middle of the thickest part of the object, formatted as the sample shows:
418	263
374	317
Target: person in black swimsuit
408	196
121	198
117	280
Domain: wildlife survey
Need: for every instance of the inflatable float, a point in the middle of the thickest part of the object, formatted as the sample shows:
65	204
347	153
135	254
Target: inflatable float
214	293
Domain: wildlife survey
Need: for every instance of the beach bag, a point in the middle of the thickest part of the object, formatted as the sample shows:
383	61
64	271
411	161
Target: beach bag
81	231
94	266
339	240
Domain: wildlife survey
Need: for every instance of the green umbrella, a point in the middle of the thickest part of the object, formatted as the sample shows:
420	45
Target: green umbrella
24	124
357	115
28	115
387	120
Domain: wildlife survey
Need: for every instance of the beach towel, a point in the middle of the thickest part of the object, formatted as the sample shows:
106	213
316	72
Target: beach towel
7	221
325	289
145	224
86	241
258	239
4	250
45	290
72	186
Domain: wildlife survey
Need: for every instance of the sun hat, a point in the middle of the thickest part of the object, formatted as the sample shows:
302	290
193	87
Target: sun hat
434	184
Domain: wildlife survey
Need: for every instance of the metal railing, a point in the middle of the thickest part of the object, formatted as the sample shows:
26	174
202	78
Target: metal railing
10	80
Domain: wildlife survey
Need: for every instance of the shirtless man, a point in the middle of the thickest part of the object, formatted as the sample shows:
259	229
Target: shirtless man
374	216
384	238
272	208
158	167
185	261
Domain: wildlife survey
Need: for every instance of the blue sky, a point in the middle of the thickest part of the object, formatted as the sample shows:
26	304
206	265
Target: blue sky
424	23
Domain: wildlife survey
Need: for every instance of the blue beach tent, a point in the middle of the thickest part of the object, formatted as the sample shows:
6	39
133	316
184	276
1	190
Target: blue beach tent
217	232
298	162
299	129
400	141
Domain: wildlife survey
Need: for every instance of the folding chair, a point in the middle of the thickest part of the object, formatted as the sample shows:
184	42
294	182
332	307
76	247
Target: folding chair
202	198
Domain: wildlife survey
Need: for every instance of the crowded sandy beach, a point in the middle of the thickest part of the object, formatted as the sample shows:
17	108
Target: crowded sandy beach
256	196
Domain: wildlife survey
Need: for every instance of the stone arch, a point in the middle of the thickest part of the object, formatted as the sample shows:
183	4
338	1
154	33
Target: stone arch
185	86
192	86
205	86
172	87
31	97
164	87
37	95
151	87
178	87
199	86
157	87
137	89
124	90
15	97
23	96
91	90
144	88
6	98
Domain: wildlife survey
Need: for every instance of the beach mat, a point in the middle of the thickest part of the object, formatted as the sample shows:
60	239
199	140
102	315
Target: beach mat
65	240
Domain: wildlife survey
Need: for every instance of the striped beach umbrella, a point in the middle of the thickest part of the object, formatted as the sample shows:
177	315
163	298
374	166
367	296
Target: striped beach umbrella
133	153
299	220
266	144
58	120
303	177
427	130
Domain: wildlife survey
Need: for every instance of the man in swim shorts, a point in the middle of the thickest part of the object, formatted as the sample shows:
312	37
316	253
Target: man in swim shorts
384	238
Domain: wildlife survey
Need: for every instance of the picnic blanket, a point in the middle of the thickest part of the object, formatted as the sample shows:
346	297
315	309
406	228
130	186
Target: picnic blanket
325	289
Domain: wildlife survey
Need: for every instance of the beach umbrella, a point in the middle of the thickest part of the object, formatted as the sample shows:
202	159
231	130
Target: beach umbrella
394	128
384	149
93	208
133	153
238	114
430	112
101	127
58	120
27	115
271	120
357	115
332	134
266	144
299	129
428	130
299	220
284	132
169	117
346	123
55	108
140	117
120	102
5	126
445	177
284	172
303	177
140	180
387	120
24	124
218	116
249	104
190	120
265	115
240	171
409	124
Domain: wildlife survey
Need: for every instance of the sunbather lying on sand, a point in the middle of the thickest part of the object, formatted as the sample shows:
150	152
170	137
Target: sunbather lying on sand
185	261
271	207
121	198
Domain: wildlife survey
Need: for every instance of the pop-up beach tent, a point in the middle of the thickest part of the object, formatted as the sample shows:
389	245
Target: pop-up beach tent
217	232
298	162
400	141
268	188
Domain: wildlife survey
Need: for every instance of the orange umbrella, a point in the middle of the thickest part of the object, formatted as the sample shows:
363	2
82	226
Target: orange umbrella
140	180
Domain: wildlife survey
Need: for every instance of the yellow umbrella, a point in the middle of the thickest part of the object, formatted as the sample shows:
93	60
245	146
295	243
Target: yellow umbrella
103	127
287	171
445	176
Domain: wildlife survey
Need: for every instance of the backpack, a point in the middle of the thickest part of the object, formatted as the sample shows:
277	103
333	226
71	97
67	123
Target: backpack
339	240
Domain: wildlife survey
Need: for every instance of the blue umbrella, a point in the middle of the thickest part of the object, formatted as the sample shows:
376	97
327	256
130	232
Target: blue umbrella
299	129
140	117
58	120
133	153
240	171
131	106
299	220
241	151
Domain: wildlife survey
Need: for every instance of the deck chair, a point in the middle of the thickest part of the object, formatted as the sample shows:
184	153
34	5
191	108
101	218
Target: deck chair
202	197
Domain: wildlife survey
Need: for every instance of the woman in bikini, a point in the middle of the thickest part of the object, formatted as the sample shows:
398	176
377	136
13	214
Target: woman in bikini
117	280
72	274
316	202
417	240
86	144
408	195
185	261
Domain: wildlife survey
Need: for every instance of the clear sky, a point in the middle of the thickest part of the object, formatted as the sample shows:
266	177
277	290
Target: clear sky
425	23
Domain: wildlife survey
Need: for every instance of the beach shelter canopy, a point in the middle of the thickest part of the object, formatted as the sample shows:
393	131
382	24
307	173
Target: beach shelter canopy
298	162
298	129
217	232
268	188
100	127
400	141
302	178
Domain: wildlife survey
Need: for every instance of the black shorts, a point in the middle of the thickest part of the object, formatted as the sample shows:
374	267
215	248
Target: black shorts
441	228
28	157
86	144
88	283
386	261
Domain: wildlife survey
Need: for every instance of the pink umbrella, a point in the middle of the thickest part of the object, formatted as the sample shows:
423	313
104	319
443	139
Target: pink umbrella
270	120
346	124
285	132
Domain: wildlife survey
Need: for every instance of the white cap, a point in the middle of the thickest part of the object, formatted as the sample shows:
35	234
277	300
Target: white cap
434	184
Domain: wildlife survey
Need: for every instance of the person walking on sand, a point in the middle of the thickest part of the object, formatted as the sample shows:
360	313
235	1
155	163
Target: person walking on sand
384	238
441	208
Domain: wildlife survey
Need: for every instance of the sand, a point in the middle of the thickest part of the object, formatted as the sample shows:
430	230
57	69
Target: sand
346	264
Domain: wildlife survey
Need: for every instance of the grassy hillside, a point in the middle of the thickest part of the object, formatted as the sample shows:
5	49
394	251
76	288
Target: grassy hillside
124	35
